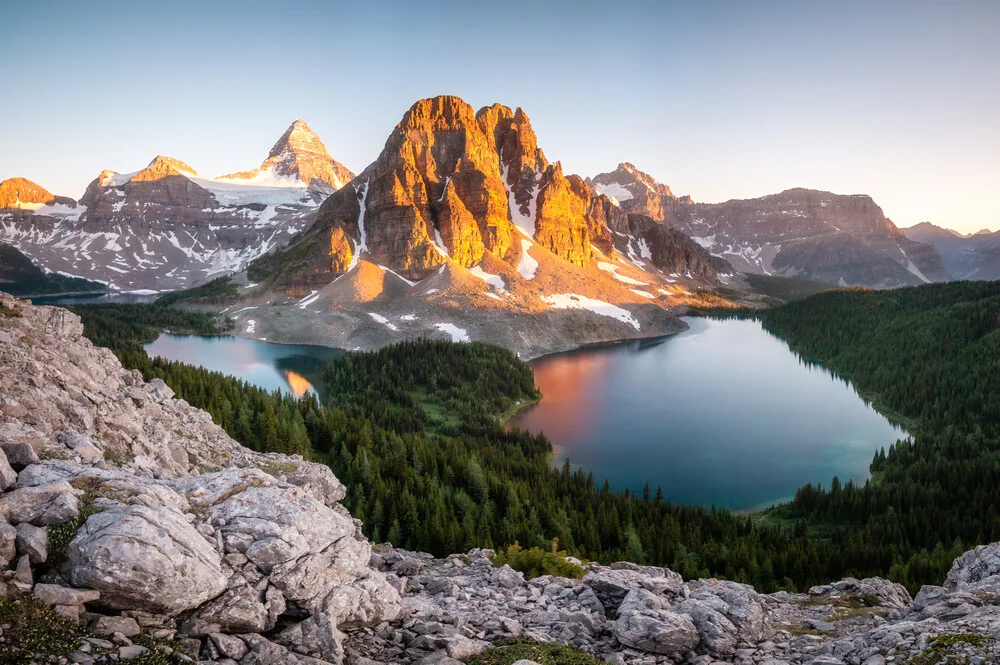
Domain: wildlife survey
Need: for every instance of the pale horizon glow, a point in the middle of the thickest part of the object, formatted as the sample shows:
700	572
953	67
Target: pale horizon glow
719	100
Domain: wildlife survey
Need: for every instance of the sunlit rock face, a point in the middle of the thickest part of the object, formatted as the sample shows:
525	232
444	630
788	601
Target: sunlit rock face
453	183
20	193
165	226
798	233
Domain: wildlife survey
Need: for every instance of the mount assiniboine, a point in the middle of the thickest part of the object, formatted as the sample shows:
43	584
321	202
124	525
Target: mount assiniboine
165	227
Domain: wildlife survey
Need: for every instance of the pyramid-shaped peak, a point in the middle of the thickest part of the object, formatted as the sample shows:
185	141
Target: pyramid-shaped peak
299	153
298	138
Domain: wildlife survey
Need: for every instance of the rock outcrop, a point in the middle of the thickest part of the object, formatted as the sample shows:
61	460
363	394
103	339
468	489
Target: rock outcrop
20	193
802	233
180	530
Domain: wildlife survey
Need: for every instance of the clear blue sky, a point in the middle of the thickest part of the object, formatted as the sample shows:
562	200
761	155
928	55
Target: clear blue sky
719	100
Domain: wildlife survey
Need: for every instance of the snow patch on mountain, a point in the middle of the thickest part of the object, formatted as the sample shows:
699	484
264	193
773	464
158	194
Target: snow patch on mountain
613	269
614	191
496	281
527	266
384	321
576	301
457	334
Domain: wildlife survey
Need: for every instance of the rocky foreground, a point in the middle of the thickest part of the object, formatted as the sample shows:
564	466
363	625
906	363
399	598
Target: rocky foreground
137	518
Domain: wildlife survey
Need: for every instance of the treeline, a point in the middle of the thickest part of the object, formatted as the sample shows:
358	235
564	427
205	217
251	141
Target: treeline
931	356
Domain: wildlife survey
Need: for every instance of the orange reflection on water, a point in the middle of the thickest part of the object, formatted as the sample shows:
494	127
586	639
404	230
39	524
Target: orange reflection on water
569	403
297	383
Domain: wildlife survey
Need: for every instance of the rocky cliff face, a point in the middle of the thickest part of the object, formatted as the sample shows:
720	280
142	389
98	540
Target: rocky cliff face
453	183
635	191
798	233
165	227
246	557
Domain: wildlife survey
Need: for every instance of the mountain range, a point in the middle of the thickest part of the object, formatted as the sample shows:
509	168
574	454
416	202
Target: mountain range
974	256
165	227
461	227
844	240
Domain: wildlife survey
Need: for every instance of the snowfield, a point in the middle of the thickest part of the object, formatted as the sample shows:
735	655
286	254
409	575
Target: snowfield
384	321
575	301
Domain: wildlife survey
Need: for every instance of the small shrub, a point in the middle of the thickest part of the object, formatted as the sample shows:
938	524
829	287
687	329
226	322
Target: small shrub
939	650
279	468
34	633
33	629
9	312
535	562
509	651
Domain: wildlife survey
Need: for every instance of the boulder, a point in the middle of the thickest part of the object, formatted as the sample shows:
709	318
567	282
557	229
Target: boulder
239	610
739	603
229	646
974	566
507	577
53	594
319	481
275	525
33	541
718	634
18	453
613	583
44	505
159	390
81	445
109	625
646	622
317	635
144	558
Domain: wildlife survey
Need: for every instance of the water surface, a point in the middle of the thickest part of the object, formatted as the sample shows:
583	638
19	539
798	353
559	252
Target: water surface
71	299
721	414
291	368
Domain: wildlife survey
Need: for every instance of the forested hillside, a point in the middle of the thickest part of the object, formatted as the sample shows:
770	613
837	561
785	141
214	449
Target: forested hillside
416	433
931	356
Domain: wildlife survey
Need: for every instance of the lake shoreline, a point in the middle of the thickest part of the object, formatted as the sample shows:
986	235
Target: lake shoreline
655	411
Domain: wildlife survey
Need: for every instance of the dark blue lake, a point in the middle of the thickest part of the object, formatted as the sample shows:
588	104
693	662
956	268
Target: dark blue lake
722	414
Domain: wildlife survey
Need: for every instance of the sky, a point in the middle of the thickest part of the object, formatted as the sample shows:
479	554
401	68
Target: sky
719	100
